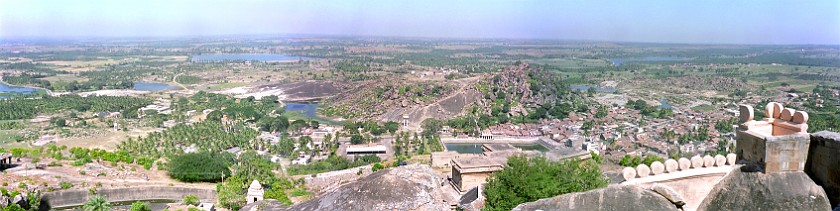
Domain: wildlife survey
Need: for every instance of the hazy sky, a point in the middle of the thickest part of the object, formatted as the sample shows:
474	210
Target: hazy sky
667	21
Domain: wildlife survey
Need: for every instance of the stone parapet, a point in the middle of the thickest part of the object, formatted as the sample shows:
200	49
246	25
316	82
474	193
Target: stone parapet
778	143
672	169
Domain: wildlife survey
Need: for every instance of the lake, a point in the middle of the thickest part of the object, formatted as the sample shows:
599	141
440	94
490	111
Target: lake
468	148
151	86
618	61
4	88
308	109
586	87
244	57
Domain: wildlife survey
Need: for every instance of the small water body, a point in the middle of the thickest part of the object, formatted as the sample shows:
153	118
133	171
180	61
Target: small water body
618	61
586	88
151	86
464	148
4	88
308	109
244	57
663	104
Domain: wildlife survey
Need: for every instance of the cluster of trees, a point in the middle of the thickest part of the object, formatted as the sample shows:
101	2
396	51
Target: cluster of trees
407	145
27	108
633	161
84	155
249	167
201	166
332	163
726	126
206	135
25	79
648	110
186	79
529	179
372	127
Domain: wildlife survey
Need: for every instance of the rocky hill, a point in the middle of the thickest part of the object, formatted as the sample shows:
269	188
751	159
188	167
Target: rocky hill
412	187
739	190
614	197
373	98
758	191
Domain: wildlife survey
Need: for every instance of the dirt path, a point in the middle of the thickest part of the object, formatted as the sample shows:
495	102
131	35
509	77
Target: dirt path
179	84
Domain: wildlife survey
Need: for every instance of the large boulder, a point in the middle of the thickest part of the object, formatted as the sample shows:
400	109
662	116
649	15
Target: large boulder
412	187
742	190
615	197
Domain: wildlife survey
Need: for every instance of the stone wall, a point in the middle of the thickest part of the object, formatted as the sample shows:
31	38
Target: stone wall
823	165
70	198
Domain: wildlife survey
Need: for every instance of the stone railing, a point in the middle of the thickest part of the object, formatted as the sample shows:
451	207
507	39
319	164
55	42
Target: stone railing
674	169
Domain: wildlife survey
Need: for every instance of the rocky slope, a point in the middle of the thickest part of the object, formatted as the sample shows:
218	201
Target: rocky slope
412	187
373	98
614	197
758	191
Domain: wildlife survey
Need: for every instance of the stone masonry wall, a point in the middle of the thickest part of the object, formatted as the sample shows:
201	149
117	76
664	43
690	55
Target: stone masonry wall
823	165
69	198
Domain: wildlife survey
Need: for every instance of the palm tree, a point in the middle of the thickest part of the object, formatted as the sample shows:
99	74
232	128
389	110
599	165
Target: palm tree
97	203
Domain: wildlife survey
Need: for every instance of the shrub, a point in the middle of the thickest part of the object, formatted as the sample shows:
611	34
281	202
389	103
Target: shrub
65	185
377	167
191	200
140	206
97	203
200	167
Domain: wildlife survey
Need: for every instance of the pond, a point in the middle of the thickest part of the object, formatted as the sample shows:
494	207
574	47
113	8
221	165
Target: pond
464	148
618	61
307	109
6	90
244	57
586	87
151	86
663	104
475	148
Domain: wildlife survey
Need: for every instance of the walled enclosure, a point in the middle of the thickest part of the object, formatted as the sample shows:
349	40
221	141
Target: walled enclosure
71	198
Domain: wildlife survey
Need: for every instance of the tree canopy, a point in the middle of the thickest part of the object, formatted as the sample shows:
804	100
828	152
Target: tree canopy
528	179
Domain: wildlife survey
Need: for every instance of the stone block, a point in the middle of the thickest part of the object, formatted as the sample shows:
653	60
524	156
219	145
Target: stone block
800	117
628	173
696	162
657	167
730	158
642	170
685	164
671	165
720	160
708	161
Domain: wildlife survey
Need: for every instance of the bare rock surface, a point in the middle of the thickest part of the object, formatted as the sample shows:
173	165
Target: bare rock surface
758	191
616	197
412	187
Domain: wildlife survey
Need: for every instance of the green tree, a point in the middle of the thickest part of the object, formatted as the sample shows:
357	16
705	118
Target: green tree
97	203
191	200
140	206
357	139
13	207
215	115
528	179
